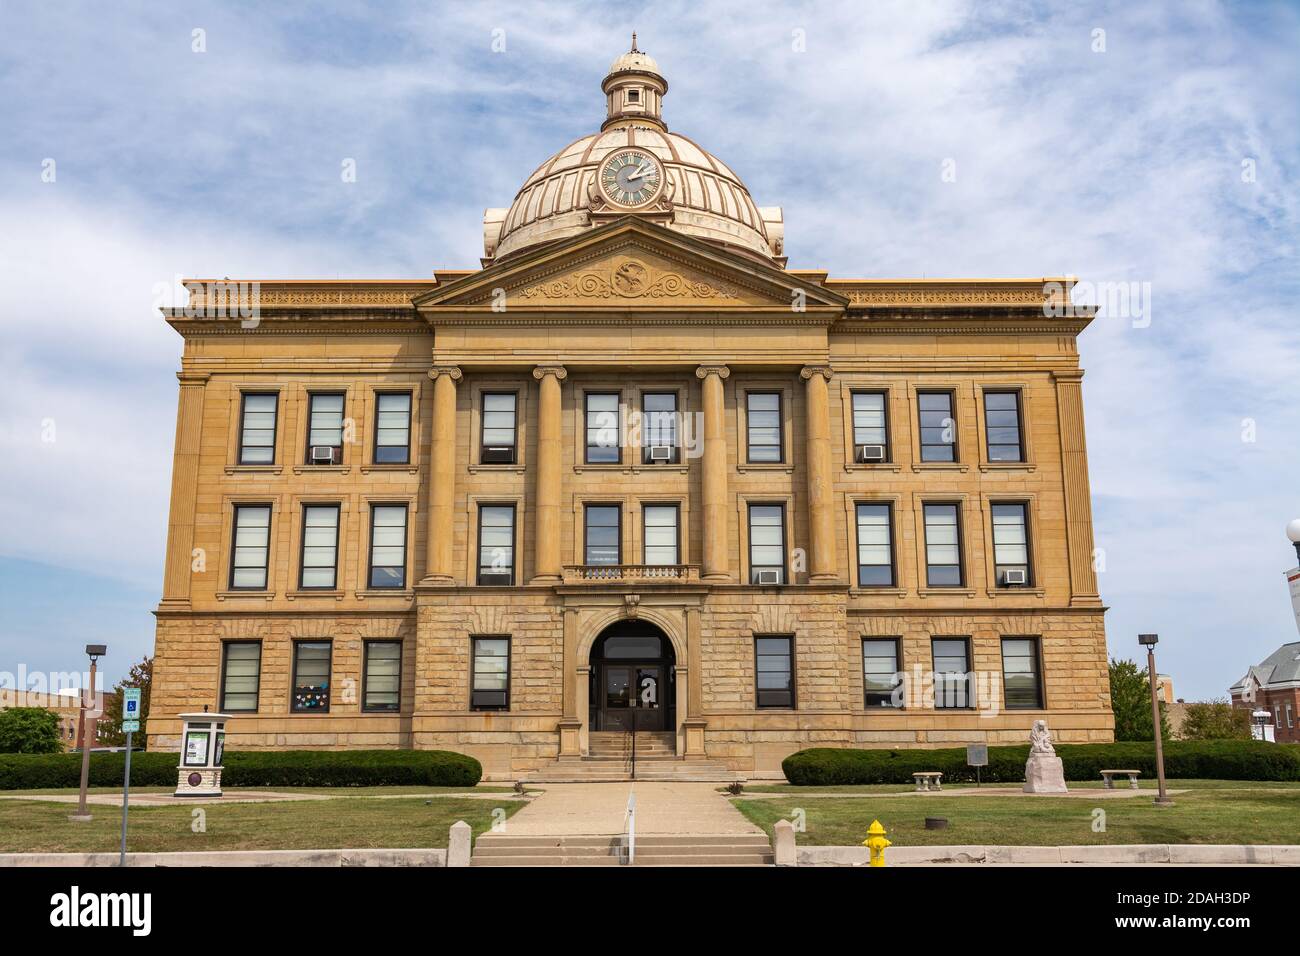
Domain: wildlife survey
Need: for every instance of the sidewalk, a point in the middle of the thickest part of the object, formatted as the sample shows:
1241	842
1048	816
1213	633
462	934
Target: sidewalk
572	809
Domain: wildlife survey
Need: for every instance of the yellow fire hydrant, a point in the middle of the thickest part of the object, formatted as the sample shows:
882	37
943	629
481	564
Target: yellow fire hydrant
876	843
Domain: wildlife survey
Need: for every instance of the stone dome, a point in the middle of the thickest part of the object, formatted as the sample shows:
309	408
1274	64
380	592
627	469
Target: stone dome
700	195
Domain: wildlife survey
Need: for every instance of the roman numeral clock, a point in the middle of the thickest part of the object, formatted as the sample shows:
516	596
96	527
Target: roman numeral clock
631	179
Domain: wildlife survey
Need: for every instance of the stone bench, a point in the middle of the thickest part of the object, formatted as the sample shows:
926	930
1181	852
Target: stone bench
1108	777
927	780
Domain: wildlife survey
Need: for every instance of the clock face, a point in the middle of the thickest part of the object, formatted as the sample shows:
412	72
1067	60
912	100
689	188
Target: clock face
631	178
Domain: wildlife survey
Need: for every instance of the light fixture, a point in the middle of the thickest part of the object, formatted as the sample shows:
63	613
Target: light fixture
1148	640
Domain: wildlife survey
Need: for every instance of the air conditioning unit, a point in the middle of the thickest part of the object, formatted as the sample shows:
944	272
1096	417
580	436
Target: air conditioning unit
325	454
770	576
498	454
663	453
1015	577
869	453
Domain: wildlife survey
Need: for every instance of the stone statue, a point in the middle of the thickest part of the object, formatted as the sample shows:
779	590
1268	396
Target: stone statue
1040	739
1043	770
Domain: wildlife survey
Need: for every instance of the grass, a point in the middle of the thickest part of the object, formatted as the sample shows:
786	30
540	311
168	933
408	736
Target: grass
30	826
236	791
1207	814
1074	784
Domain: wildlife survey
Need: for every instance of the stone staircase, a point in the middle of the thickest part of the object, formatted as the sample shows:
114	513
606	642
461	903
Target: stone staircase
609	760
728	849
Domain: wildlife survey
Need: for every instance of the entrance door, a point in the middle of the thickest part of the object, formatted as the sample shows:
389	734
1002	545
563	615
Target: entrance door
631	691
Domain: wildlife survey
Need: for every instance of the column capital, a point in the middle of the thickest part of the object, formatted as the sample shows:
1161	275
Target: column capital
559	371
450	370
704	371
808	371
1068	375
192	378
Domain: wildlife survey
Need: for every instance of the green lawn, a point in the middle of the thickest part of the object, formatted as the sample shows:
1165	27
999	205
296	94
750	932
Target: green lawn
1209	814
1073	784
28	826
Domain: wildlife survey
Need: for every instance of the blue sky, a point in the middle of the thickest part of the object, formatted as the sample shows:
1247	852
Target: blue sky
1116	165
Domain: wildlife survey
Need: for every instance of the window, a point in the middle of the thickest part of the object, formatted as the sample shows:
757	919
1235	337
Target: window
774	671
497	441
1288	716
1010	544
763	418
659	427
660	531
869	423
942	547
320	546
311	676
388	546
938	427
951	672
241	668
767	544
257	428
250	548
490	674
602	537
881	673
875	546
496	544
1021	680
603	427
393	428
325	429
382	684
1002	426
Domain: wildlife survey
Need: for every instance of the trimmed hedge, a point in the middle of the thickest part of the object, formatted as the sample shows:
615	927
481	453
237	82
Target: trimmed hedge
1185	759
253	768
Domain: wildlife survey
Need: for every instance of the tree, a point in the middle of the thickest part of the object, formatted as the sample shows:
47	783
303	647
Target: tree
111	734
1216	720
1130	701
29	730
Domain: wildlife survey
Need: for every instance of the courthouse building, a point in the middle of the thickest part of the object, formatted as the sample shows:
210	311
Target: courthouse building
633	466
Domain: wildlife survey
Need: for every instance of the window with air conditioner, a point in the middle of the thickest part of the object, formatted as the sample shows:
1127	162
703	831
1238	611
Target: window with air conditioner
1010	544
325	428
766	544
870	428
659	444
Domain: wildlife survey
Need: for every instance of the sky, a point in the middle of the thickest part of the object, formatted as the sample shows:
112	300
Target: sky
1153	145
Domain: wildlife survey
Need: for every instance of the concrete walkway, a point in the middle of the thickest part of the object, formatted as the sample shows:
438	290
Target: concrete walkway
572	809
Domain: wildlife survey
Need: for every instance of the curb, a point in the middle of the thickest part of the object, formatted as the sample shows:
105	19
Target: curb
1136	854
325	858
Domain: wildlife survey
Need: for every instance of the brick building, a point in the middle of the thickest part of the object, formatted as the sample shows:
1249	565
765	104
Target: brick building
631	466
1274	685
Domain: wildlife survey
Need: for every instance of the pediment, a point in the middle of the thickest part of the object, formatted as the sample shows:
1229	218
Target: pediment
629	265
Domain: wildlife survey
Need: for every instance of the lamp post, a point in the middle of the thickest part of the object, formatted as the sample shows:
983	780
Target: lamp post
94	652
1293	535
1149	642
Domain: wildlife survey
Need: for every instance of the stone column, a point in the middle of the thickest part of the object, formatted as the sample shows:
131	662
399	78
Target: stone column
1078	499
821	516
693	725
714	477
547	504
570	725
185	489
442	477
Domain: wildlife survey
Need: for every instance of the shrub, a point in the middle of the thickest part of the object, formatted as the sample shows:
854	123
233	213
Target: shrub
1204	759
256	768
29	730
1215	720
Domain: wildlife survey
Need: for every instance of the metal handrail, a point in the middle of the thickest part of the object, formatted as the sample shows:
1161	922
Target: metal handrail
629	828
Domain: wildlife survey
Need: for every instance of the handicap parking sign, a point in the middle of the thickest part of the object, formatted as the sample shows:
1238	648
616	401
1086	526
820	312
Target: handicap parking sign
130	703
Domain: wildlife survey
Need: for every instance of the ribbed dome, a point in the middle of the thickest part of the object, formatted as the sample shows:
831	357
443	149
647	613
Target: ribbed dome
700	195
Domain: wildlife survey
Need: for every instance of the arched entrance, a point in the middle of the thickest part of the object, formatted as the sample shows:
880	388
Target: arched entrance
633	677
